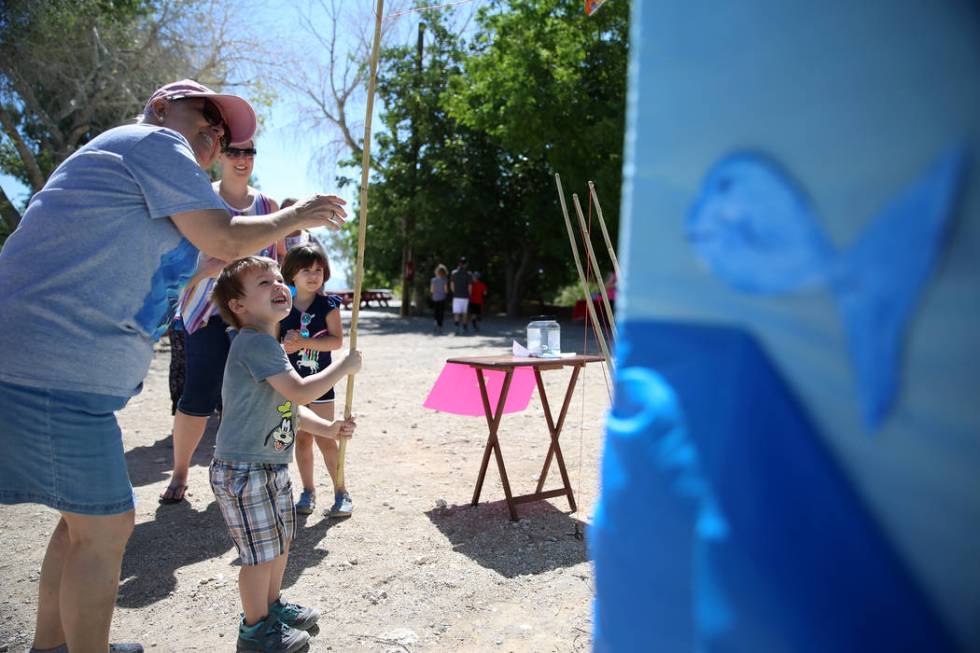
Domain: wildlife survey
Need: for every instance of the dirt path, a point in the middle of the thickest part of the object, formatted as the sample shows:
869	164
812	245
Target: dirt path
404	574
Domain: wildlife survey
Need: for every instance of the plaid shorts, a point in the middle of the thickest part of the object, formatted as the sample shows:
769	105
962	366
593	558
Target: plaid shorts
256	500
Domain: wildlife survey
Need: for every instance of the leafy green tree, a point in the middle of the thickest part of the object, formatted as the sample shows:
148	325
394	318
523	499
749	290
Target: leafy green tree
548	84
70	69
468	145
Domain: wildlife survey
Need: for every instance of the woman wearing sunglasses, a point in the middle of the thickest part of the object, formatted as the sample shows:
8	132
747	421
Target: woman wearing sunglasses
206	342
88	278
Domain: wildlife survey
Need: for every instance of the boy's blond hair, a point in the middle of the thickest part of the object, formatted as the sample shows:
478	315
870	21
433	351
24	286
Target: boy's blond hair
229	284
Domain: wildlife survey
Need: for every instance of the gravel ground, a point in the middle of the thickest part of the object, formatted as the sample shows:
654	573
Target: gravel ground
416	569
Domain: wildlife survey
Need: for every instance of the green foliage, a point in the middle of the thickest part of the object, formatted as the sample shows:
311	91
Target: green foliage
466	160
70	69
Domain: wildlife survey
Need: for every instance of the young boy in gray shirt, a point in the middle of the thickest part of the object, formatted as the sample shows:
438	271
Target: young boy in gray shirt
263	399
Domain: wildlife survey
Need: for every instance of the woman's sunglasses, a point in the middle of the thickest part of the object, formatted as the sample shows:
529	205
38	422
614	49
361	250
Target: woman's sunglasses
240	152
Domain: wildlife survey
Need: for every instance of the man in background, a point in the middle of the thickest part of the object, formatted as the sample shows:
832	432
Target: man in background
459	284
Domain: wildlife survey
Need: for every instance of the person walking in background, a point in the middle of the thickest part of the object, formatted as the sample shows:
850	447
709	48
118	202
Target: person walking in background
439	290
207	341
459	284
478	293
309	333
121	222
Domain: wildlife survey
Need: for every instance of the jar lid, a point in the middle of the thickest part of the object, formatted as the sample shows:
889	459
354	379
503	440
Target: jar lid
543	318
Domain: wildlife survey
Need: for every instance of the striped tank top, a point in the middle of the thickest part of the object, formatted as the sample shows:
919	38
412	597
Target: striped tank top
195	307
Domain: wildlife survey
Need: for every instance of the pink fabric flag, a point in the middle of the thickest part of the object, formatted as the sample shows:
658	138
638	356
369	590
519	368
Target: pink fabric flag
457	390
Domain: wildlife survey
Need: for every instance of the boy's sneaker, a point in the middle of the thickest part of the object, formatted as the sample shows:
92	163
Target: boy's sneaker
342	506
270	636
294	615
306	503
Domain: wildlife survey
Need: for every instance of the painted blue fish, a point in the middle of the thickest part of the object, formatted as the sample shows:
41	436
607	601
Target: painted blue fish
755	228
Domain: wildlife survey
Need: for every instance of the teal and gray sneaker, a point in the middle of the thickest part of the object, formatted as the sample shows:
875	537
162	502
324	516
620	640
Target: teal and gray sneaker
342	506
293	615
270	636
306	503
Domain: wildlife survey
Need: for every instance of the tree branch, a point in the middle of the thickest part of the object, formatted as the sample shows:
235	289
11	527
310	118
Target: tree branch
26	156
10	215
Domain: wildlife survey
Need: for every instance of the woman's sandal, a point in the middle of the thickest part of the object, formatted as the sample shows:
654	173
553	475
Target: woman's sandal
173	494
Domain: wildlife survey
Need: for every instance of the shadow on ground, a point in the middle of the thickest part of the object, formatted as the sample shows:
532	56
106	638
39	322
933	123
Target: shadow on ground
176	537
305	552
544	539
179	536
153	463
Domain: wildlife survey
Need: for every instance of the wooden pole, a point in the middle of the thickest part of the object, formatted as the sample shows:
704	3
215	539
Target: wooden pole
362	223
595	264
605	233
581	275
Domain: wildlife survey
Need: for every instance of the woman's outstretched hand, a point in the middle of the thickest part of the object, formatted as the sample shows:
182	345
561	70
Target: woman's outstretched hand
321	211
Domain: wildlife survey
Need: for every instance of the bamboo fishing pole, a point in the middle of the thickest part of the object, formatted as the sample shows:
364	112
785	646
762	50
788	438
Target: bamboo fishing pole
361	223
605	233
581	275
595	264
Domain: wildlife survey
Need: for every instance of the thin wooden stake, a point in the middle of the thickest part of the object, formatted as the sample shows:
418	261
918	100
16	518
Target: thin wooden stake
605	233
581	275
595	264
361	223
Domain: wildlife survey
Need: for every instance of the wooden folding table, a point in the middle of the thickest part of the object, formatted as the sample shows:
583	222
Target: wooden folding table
507	364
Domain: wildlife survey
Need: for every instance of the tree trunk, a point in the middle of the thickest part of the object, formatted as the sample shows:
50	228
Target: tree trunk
9	213
514	274
34	174
408	223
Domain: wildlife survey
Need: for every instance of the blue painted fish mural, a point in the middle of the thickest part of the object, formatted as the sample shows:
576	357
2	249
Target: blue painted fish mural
755	228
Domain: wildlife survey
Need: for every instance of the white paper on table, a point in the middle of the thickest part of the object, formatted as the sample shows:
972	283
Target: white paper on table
519	351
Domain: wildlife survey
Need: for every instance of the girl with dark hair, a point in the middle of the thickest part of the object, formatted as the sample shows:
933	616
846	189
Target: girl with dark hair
309	333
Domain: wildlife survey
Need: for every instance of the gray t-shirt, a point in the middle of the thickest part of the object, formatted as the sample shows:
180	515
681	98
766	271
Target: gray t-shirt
89	279
440	288
258	425
461	283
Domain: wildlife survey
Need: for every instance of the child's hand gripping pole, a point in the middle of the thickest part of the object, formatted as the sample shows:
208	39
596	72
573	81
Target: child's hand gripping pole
352	364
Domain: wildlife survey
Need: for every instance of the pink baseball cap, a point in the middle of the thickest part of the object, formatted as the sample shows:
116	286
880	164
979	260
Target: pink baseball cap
238	113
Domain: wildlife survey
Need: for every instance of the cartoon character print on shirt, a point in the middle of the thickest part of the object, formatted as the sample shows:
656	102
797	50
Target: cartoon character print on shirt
308	358
283	435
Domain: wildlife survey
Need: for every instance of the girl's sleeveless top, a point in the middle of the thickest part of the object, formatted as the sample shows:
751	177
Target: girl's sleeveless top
195	307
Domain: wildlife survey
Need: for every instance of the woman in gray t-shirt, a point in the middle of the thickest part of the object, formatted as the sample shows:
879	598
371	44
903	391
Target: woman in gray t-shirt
121	222
439	289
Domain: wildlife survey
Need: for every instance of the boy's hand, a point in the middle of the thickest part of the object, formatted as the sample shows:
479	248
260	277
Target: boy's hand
345	429
352	362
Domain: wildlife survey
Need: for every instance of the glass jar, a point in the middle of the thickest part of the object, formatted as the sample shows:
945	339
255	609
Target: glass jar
544	337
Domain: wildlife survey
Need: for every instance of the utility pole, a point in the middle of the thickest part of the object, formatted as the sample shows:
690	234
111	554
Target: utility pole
408	223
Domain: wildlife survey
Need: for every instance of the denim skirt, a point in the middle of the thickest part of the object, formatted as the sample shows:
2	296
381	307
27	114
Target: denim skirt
63	449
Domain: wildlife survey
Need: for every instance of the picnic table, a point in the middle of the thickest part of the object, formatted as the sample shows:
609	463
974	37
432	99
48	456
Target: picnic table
379	295
507	364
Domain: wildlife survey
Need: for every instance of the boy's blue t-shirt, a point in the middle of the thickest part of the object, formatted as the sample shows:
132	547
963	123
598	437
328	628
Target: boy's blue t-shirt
89	279
258	425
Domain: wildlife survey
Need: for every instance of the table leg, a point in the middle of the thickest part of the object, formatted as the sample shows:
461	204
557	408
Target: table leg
493	422
555	431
